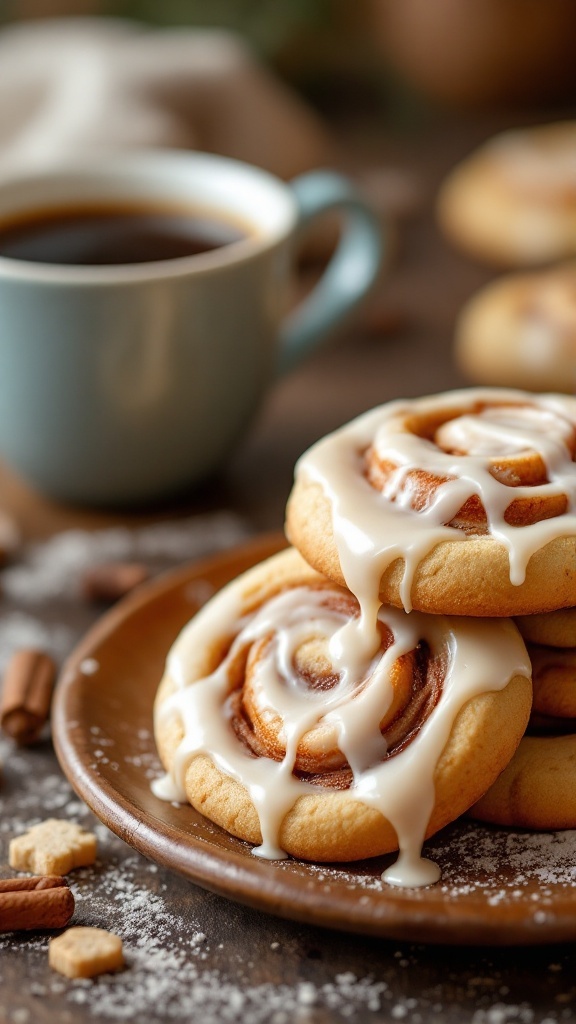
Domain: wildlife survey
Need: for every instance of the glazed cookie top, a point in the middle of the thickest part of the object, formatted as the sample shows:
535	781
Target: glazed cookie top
487	465
270	682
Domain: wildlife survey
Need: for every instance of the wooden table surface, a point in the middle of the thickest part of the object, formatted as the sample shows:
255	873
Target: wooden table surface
200	957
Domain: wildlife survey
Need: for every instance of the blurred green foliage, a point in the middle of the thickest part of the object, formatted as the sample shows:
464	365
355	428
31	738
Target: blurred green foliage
6	11
319	46
266	23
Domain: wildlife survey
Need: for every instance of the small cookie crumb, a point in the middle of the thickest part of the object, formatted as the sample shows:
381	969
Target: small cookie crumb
53	847
85	952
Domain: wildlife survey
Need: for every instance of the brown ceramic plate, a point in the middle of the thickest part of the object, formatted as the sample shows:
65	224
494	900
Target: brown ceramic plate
498	886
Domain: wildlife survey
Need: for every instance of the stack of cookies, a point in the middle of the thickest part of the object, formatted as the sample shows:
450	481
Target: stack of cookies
355	693
508	547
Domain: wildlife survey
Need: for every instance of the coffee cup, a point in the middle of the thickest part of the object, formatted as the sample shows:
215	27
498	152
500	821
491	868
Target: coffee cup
125	378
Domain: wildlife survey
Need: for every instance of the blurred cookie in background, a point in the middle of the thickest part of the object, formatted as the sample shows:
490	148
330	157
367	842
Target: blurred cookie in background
520	331
513	201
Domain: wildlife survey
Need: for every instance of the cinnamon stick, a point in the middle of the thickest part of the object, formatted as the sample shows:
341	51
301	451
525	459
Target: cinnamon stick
34	904
10	538
26	695
110	581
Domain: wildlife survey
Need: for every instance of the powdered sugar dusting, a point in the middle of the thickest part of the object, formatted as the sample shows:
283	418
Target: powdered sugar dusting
170	957
89	666
53	569
495	865
193	956
548	858
18	629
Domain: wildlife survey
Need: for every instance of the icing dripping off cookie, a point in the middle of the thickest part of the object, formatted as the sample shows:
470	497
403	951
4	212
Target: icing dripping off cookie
373	528
479	656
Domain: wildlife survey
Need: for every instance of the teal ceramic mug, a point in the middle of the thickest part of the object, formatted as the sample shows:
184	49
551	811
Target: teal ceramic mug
126	382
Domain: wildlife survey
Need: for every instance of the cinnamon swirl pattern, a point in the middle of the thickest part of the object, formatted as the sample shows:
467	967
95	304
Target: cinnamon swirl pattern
461	504
277	721
513	201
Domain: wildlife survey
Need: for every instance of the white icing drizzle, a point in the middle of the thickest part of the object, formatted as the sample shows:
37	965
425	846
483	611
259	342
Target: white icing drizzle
481	655
372	529
505	431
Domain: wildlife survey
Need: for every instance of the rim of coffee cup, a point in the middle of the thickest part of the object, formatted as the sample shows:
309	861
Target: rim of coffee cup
265	207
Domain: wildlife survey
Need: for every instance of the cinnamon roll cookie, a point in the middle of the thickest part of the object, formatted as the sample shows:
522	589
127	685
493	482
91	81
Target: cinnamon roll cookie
520	331
554	682
513	201
553	660
461	504
278	722
554	629
538	788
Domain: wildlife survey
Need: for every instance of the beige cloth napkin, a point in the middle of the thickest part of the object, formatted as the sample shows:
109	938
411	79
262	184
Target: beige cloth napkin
72	85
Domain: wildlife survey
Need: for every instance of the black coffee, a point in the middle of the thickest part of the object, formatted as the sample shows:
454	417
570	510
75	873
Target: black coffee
100	236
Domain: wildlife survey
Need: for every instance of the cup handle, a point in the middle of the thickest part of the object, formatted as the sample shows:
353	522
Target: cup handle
350	273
